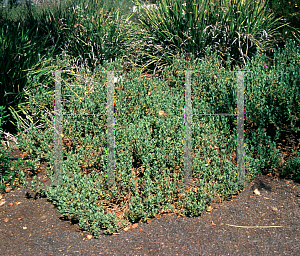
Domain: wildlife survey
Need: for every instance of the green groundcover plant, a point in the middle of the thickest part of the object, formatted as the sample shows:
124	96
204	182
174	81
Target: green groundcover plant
156	141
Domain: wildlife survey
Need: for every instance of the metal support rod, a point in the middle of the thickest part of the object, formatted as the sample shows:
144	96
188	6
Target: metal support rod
240	129
58	131
110	129
188	130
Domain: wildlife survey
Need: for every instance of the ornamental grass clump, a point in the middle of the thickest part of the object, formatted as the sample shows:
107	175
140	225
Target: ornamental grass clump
240	28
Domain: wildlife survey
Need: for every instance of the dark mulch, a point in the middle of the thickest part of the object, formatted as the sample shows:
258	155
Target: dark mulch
264	223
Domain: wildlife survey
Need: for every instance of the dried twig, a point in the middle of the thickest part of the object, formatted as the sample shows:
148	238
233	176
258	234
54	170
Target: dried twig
258	226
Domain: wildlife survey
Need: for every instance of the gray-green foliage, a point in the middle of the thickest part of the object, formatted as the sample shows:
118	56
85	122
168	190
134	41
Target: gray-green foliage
156	141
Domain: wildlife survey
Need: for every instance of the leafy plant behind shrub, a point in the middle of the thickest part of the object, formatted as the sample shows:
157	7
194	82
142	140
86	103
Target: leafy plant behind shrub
242	28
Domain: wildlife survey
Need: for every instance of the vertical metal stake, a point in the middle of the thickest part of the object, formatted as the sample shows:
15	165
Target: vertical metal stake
58	131
188	130
240	128
110	129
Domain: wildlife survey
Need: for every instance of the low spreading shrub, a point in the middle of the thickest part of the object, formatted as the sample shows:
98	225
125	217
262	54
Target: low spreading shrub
149	136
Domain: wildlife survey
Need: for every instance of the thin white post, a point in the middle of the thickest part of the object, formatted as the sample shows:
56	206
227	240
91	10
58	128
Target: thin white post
58	131
110	129
240	128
